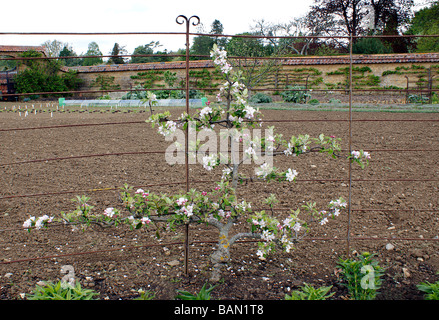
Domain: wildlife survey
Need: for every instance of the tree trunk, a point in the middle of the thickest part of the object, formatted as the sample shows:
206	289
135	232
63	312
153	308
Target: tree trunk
221	256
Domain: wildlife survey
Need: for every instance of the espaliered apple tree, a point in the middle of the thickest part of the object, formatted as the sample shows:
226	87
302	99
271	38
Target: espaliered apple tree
220	206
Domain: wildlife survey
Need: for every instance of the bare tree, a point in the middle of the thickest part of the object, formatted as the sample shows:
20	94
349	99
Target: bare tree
55	47
347	14
295	28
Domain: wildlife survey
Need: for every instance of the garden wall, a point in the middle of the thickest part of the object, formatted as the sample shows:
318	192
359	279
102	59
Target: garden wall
370	72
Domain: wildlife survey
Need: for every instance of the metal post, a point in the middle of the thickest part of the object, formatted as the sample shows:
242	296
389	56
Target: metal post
430	86
180	20
350	149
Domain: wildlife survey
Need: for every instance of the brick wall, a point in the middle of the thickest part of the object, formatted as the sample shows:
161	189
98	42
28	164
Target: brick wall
370	71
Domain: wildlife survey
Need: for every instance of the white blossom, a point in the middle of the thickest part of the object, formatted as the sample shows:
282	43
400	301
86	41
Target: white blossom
145	220
205	111
168	128
267	235
264	170
226	173
297	227
260	254
109	212
249	112
356	154
291	174
209	162
29	222
181	201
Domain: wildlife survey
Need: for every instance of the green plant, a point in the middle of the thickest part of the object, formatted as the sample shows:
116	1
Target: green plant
260	98
362	276
431	290
414	98
42	75
105	83
61	291
313	101
145	295
204	294
334	101
308	292
295	94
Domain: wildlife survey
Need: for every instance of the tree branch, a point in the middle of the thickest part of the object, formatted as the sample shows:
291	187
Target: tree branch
244	235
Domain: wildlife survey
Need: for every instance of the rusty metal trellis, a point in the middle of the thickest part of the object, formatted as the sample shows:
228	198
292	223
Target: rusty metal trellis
194	21
181	19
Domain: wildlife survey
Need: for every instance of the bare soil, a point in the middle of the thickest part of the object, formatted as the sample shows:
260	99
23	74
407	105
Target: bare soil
394	201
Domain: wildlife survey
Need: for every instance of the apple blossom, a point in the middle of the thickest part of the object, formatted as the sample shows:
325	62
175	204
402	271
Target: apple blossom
181	201
291	174
209	162
205	111
264	170
109	212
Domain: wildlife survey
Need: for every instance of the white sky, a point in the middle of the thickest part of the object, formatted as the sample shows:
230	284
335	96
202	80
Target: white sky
134	16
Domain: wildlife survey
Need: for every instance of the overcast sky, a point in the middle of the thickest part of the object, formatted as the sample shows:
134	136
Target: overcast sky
134	16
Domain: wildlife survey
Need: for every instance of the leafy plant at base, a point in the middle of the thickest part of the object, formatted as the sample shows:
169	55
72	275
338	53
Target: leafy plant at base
361	276
431	290
61	291
204	294
145	295
308	292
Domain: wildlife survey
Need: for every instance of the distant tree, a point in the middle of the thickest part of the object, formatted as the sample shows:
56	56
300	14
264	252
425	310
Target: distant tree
217	28
248	50
202	45
370	46
390	16
350	14
284	46
93	50
148	49
53	48
68	52
425	22
42	75
248	46
116	54
352	17
347	14
181	52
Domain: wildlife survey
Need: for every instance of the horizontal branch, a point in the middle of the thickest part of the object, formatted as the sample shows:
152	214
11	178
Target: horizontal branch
241	235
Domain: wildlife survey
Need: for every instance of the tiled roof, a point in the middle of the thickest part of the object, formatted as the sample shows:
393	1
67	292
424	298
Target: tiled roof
22	48
143	66
365	59
299	61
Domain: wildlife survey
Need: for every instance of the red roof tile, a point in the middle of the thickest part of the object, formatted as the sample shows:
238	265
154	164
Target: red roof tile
306	60
22	48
